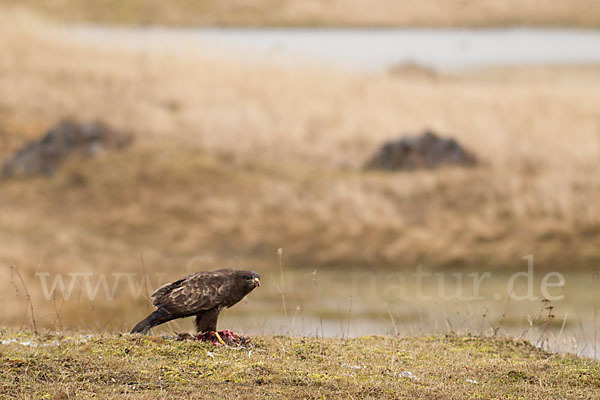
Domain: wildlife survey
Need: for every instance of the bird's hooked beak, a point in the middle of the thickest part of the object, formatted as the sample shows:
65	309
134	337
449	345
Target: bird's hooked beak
256	282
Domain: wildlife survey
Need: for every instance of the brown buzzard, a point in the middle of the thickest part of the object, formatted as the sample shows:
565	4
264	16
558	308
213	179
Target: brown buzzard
203	294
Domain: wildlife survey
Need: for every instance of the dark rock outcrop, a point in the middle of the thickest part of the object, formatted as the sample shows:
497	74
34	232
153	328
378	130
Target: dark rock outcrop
425	151
43	156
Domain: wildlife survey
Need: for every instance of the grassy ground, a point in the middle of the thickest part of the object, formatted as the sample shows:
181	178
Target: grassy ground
443	367
358	13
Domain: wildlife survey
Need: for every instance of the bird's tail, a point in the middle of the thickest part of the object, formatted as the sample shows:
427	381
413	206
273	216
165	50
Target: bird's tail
158	317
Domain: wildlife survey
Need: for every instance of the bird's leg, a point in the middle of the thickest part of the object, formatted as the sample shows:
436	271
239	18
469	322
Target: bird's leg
224	337
219	338
206	321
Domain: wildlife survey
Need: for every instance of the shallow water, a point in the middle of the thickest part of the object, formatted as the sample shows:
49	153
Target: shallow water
374	49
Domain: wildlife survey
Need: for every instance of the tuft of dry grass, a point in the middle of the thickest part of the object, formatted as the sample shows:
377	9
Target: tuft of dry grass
356	13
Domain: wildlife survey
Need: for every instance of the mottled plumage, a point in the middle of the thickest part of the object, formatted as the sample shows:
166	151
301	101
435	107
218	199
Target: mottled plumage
203	294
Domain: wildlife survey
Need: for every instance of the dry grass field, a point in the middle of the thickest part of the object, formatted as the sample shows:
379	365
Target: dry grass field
363	13
235	158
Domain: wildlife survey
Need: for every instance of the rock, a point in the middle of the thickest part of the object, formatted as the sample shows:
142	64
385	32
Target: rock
425	151
43	156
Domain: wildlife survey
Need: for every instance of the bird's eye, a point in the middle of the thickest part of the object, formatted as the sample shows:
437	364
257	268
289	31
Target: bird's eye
249	277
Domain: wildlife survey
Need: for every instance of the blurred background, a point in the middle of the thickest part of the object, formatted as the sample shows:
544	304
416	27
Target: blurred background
371	141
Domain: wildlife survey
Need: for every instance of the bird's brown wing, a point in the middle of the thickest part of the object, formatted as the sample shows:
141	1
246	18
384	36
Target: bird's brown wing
195	293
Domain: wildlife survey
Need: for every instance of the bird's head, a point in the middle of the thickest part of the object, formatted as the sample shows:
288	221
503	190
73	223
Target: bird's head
251	279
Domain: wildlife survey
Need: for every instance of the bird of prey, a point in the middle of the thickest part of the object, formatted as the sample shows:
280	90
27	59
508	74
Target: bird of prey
203	295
